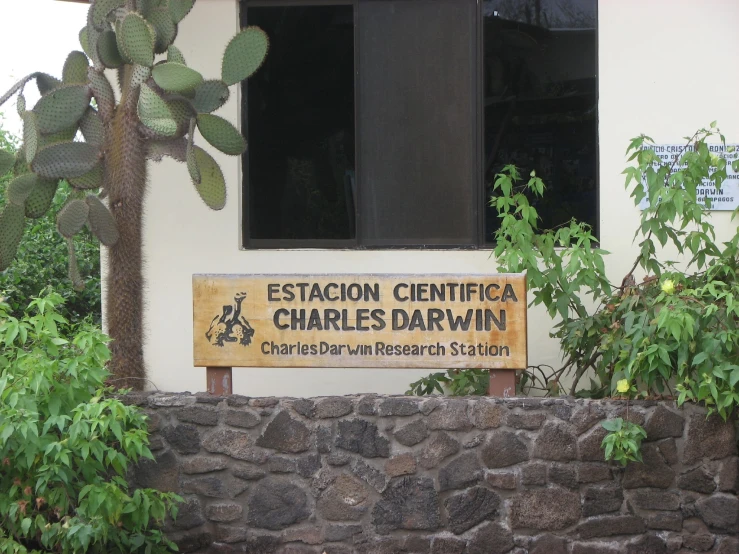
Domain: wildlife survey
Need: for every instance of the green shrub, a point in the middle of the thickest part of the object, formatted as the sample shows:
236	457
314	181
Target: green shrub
42	260
66	444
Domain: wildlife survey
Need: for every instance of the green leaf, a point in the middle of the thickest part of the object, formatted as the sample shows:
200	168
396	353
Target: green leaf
244	55
221	134
176	77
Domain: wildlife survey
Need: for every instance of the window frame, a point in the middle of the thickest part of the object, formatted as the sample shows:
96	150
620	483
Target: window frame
355	243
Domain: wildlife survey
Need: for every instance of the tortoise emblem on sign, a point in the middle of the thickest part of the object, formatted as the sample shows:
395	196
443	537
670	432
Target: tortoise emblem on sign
231	325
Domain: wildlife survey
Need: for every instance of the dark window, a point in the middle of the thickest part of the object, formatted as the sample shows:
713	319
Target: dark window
381	123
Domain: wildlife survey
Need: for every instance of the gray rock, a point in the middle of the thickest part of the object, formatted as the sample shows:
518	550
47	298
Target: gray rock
647	544
711	438
728	475
448	545
305	407
308	465
668	449
413	433
344	500
490	538
200	415
698	480
654	472
249	472
366	406
534	474
585	416
475	441
334	406
594	548
593	472
467	509
203	464
564	475
263	402
286	434
701	542
338	459
450	416
665	521
545	509
460	473
191	540
402	464
280	464
223	512
608	526
399	406
728	545
439	447
589	447
656	500
361	436
501	479
184	438
214	486
237	400
486	414
720	511
407	503
556	441
526	420
162	473
504	449
275	505
324	439
370	475
341	532
189	515
171	400
235	444
243	417
602	500
548	544
664	423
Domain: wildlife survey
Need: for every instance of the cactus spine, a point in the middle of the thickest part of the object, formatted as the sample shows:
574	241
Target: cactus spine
162	103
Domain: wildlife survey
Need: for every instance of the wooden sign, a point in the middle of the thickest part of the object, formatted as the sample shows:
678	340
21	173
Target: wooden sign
427	321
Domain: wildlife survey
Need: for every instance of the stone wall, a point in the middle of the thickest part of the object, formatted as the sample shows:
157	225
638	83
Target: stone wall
374	474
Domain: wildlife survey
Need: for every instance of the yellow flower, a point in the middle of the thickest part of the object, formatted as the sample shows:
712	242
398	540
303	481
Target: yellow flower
623	385
668	286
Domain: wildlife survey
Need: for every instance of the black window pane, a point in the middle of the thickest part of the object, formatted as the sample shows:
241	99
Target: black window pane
300	119
540	102
418	176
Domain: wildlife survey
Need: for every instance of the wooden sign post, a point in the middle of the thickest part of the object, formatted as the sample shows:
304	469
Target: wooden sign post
420	321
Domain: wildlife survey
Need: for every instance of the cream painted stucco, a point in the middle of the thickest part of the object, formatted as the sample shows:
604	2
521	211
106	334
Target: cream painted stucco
666	67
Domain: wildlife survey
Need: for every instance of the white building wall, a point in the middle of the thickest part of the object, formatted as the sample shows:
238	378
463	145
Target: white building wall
666	68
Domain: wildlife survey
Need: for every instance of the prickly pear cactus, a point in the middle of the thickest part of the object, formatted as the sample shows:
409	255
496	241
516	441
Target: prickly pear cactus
78	131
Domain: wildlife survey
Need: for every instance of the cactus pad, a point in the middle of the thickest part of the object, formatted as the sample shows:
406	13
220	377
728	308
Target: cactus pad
92	127
192	163
107	49
85	41
72	217
45	83
20	187
62	136
139	75
175	77
210	96
180	8
101	221
91	180
20	166
212	186
20	105
221	134
12	222
62	108
65	160
136	40
39	200
74	270
100	10
154	112
174	54
103	93
30	135
244	55
165	28
75	68
6	162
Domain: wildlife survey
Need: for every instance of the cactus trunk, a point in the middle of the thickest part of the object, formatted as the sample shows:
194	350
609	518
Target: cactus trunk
126	185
